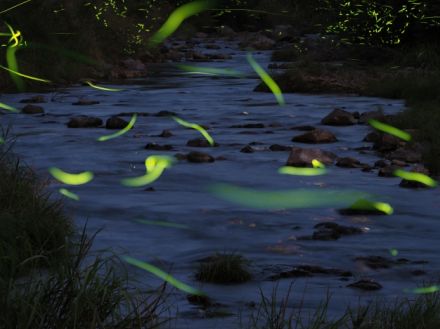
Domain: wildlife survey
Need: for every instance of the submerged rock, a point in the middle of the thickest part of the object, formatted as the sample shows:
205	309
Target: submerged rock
115	123
32	109
366	284
316	136
309	271
199	157
333	231
157	147
300	157
279	148
85	102
339	117
199	142
34	99
166	133
84	122
247	149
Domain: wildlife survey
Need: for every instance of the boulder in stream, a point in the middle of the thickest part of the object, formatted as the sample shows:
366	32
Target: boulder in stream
339	117
115	123
32	109
316	136
84	121
301	157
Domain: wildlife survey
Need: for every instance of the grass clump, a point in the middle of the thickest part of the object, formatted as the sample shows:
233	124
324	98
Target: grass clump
224	268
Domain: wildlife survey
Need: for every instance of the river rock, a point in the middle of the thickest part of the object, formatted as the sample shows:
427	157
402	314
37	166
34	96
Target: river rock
166	133
249	125
258	42
84	122
279	148
164	113
157	147
348	162
32	109
309	271
115	123
300	157
333	231
85	102
316	136
387	143
199	157
339	117
199	142
247	149
414	184
366	284
372	137
375	262
387	171
303	128
405	154
376	115
34	99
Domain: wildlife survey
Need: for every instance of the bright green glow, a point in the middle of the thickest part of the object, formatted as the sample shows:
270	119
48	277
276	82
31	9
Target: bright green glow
15	6
317	164
69	194
8	108
196	127
155	166
163	275
424	290
153	160
266	79
120	132
390	130
300	198
13	67
14	35
415	176
177	17
102	88
301	171
209	70
24	75
161	223
394	252
363	204
71	179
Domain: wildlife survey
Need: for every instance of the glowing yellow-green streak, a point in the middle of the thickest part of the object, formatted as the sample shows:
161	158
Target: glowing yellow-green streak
13	67
145	179
176	18
161	223
8	108
71	179
363	204
153	160
14	35
415	176
15	6
24	75
102	88
300	198
209	70
394	252
120	132
196	127
68	194
163	275
266	79
301	171
390	130
424	290
317	164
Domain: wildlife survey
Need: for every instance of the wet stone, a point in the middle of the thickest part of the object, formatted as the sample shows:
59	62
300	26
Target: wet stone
84	122
32	109
339	117
247	149
333	231
200	300
316	136
366	284
300	157
166	133
309	271
157	147
199	157
303	128
249	125
279	148
372	137
115	123
85	102
199	142
34	99
387	171
387	143
348	162
164	113
375	262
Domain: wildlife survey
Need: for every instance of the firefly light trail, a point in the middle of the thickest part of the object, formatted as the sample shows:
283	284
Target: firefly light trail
266	79
390	130
68	194
196	127
163	275
101	88
71	179
120	132
415	176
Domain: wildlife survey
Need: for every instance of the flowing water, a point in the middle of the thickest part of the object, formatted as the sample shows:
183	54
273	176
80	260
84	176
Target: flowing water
181	195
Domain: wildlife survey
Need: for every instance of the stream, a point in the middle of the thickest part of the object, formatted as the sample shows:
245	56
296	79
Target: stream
208	224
